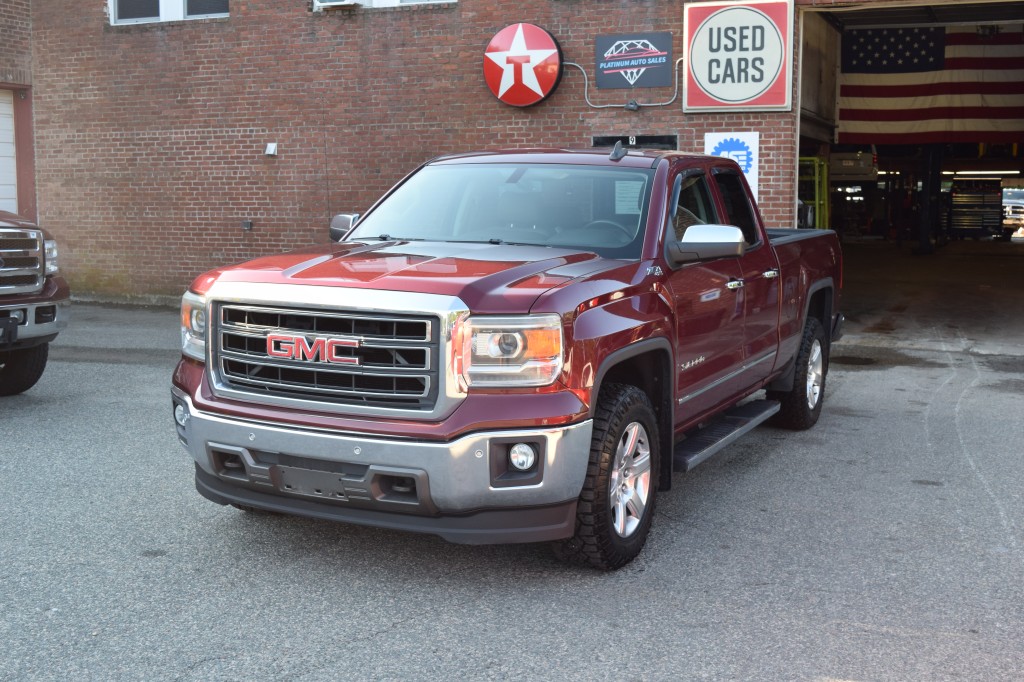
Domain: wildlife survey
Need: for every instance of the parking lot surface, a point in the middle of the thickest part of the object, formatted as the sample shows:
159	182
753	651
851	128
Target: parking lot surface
886	543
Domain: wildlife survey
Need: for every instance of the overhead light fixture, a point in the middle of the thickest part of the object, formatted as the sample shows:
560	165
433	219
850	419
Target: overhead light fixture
982	172
632	105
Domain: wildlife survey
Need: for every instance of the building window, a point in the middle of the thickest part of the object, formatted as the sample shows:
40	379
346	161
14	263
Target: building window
142	11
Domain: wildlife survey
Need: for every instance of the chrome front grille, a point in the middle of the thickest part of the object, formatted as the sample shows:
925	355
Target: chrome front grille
21	261
341	358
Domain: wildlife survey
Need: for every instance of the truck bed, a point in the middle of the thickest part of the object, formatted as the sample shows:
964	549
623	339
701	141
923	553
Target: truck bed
779	236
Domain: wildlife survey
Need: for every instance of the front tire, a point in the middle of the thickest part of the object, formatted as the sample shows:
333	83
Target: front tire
616	506
20	369
801	406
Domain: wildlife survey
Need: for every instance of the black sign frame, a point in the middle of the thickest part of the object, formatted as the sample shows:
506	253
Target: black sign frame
633	60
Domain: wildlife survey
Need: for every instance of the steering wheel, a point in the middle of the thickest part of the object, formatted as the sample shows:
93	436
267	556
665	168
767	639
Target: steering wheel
603	224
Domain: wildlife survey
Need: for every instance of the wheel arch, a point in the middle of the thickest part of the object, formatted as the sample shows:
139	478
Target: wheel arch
819	305
647	365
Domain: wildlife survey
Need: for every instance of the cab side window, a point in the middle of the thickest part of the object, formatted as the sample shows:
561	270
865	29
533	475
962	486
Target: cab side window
695	206
737	205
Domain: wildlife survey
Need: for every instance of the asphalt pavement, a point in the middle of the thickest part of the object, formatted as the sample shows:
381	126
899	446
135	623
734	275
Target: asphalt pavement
886	543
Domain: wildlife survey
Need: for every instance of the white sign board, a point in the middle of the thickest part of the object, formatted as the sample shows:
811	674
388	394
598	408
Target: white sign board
743	148
738	55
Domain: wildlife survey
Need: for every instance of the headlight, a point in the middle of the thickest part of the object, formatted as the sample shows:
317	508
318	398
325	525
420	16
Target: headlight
51	257
509	351
193	326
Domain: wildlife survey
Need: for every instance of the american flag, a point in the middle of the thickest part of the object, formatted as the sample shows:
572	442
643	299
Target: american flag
932	85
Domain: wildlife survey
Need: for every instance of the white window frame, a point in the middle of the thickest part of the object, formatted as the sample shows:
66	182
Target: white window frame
170	10
330	4
398	3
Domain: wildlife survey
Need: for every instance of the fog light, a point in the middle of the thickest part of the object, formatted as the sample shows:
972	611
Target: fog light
180	414
522	457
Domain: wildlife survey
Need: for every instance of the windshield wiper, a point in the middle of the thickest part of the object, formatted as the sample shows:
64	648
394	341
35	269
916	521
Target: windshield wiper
389	238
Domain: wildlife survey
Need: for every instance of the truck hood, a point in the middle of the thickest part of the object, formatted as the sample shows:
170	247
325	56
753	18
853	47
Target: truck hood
489	278
11	220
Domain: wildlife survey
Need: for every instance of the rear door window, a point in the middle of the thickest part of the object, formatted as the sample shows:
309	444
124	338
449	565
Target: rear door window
738	210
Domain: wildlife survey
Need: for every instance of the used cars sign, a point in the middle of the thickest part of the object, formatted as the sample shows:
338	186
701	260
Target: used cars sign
738	55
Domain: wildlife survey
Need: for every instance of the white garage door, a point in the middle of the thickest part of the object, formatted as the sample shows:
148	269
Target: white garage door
8	166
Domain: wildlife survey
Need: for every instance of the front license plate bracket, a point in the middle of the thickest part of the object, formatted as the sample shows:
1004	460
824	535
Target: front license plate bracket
309	483
8	330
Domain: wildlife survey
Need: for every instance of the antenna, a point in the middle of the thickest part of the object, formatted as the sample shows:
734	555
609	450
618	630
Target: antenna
617	151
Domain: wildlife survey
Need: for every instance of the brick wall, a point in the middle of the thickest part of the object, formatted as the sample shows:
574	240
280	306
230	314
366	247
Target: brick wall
150	138
15	42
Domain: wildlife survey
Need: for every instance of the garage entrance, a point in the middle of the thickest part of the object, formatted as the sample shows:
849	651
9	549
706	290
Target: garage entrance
913	127
8	163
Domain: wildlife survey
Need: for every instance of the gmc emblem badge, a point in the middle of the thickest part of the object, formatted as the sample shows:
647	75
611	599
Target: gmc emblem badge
319	349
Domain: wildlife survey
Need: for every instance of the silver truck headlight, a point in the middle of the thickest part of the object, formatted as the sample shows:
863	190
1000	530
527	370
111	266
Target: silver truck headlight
52	266
507	351
193	326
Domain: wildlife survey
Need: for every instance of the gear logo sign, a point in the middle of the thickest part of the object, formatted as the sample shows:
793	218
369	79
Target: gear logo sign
737	150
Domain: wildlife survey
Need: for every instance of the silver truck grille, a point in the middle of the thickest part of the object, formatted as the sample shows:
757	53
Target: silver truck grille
343	358
21	261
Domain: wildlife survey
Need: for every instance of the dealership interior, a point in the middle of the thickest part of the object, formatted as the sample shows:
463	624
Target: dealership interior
890	150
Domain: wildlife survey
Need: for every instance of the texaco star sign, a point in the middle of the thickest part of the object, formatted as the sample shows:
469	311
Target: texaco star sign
522	64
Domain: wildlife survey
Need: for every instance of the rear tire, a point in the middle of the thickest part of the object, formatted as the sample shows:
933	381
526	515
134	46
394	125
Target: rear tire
616	506
20	369
801	406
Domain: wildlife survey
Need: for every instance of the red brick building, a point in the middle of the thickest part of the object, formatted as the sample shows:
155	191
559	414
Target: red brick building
17	170
151	118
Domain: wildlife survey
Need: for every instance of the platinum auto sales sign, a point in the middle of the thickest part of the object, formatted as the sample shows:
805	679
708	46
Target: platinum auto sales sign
738	55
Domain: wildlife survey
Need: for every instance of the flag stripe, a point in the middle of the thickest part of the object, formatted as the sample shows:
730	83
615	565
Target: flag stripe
954	125
982	63
850	92
905	79
972	38
938	137
1011	51
932	113
910	104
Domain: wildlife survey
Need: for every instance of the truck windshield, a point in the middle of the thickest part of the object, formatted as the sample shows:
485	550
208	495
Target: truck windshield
582	207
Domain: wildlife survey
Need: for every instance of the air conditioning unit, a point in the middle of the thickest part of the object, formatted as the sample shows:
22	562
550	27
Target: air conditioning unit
321	5
852	167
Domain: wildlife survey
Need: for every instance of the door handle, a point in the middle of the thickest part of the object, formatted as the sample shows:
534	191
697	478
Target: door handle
770	274
734	284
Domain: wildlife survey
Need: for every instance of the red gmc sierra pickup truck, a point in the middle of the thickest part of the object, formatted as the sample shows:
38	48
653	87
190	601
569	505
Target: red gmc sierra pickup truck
512	346
34	302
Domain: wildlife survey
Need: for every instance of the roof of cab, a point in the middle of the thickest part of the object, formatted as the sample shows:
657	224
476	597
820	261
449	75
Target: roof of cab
598	156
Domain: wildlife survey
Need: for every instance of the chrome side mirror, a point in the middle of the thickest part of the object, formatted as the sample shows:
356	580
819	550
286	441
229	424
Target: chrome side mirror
707	242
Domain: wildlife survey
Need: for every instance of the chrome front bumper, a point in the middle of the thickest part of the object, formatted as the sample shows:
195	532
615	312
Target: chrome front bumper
462	490
36	320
